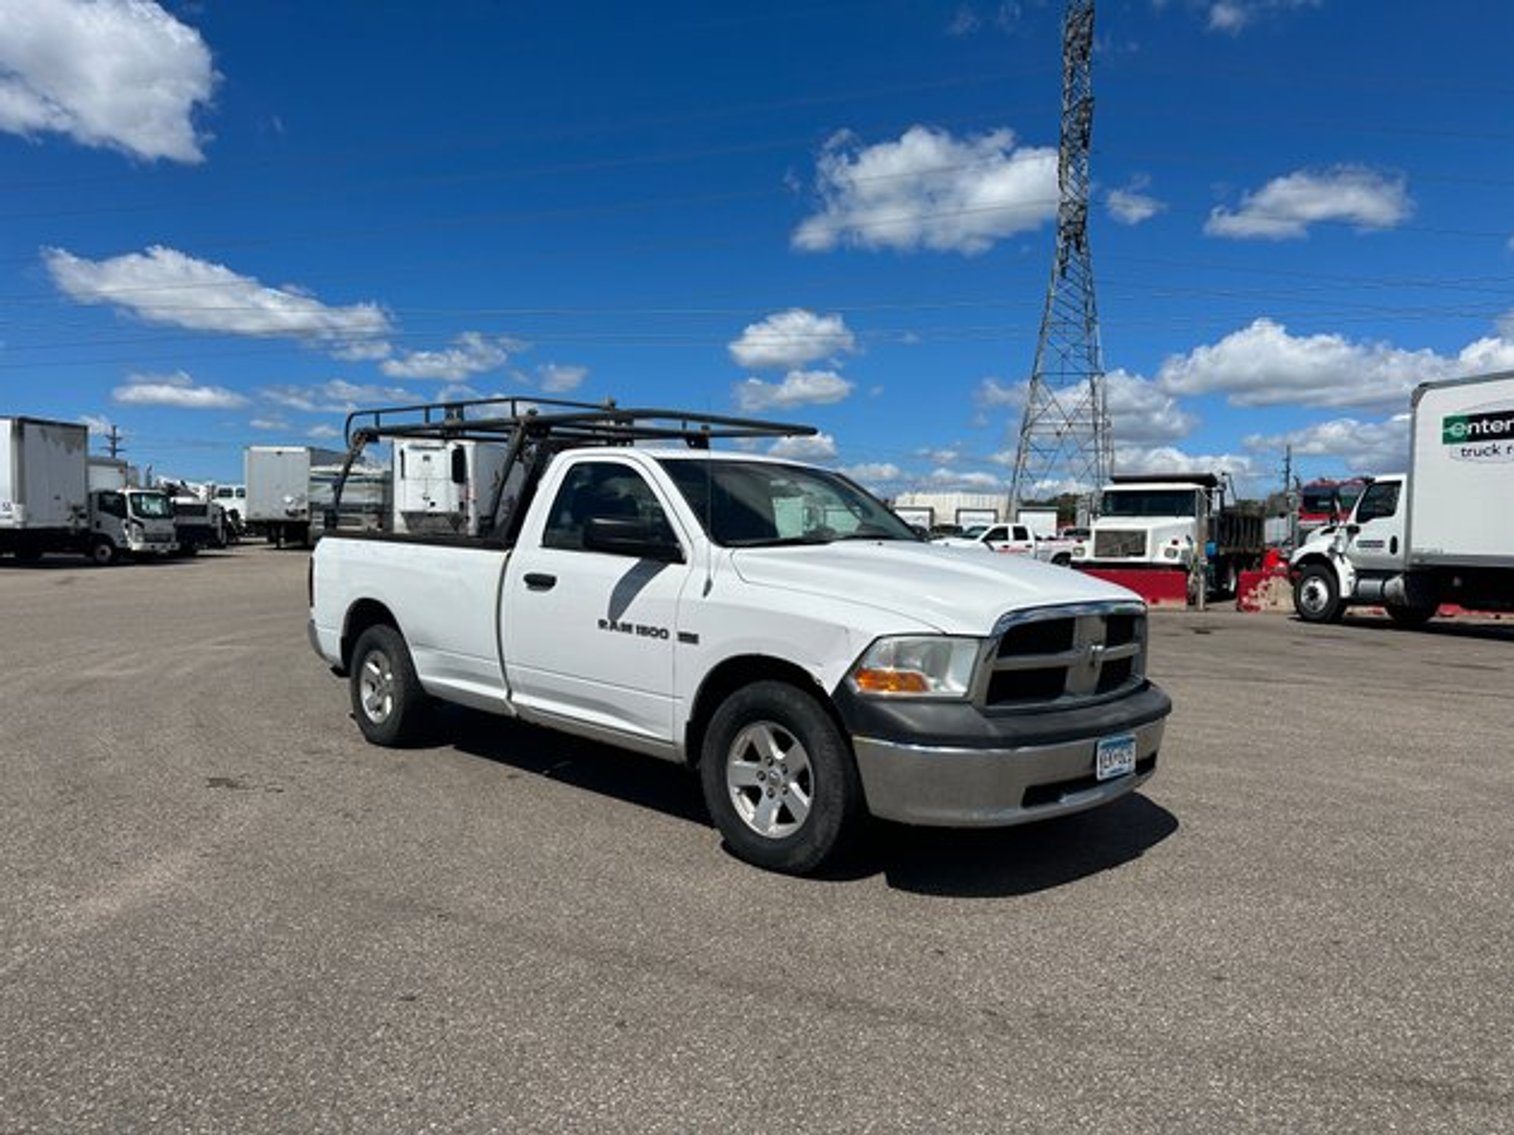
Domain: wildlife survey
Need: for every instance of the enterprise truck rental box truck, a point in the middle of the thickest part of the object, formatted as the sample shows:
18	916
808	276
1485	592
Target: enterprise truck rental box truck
1461	484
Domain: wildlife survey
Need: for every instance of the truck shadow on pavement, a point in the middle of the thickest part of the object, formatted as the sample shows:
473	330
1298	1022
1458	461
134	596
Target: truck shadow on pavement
981	863
1489	631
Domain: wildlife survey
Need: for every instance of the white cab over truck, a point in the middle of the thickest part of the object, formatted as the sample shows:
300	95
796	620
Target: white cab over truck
55	498
767	622
1173	522
1441	533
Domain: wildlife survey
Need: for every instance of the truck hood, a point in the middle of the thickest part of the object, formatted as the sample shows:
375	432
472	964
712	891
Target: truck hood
953	590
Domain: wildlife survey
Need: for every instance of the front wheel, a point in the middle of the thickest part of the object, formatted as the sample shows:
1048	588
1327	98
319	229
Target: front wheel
103	552
1316	596
388	703
779	778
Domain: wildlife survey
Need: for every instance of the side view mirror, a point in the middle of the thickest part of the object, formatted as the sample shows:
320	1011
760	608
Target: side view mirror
631	536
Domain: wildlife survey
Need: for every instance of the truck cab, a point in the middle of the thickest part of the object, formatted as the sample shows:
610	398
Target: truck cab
1173	522
130	521
1361	560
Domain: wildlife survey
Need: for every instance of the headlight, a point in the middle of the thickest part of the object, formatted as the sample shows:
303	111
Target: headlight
1170	552
917	666
1079	551
133	530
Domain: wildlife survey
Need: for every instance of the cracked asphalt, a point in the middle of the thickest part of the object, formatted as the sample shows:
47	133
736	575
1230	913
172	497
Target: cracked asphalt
221	911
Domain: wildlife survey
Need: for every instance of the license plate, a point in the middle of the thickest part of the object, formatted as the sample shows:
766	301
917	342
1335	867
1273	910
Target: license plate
1114	756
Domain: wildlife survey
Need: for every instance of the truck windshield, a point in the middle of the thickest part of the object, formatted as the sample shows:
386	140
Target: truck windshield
1148	502
747	504
150	506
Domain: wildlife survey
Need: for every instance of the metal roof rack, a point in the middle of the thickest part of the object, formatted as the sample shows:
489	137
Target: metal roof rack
545	425
604	423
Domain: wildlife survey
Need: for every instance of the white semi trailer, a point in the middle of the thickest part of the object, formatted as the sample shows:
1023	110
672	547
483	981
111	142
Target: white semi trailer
55	498
1441	533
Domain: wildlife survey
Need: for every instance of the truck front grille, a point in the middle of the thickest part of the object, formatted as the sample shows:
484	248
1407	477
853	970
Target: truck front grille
1119	544
1059	657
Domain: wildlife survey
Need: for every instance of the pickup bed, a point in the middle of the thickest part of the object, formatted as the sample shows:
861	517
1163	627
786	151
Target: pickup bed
765	622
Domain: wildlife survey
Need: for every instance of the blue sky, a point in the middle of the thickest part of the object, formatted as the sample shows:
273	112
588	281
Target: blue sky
226	223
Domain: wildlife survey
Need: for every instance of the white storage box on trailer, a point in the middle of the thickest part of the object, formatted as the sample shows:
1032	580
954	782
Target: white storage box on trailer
1461	481
44	474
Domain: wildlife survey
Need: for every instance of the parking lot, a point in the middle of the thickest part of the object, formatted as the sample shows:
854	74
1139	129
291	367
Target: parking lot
223	911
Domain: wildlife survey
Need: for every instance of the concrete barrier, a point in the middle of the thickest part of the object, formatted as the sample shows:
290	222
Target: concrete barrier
1158	586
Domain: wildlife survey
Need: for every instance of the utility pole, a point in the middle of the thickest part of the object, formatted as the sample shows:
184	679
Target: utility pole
1065	437
113	442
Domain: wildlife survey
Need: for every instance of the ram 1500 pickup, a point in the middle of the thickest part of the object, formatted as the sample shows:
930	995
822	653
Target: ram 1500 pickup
763	621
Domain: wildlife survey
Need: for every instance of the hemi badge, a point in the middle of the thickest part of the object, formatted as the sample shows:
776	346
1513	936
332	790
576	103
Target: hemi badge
688	637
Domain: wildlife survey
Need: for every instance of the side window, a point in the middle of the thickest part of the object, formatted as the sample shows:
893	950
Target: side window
1378	501
995	535
596	489
112	504
1021	532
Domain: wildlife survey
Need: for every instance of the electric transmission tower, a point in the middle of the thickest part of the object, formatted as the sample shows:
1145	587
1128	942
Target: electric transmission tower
1065	439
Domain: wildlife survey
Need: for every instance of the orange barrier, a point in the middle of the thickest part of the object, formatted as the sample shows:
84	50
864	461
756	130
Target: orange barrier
1158	586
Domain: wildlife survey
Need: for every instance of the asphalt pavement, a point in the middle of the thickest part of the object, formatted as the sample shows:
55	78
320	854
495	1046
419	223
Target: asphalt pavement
221	910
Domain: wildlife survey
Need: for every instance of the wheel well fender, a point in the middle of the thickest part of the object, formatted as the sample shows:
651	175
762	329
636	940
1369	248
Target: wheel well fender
361	615
742	670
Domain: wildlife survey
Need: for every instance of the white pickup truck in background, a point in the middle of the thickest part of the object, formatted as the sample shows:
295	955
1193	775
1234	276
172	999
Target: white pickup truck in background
766	622
1015	540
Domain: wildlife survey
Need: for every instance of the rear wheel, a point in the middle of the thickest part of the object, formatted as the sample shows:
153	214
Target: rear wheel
1412	616
1316	596
779	778
387	699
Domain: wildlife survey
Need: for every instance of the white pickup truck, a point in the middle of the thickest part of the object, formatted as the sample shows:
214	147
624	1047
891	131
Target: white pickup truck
766	622
1014	540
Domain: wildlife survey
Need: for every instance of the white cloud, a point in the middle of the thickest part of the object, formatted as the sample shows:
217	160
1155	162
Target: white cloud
471	353
944	478
554	378
1132	205
945	456
96	424
792	338
798	388
1285	207
1141	412
323	433
269	424
1264	365
123	74
167	287
819	447
1363	447
337	397
929	190
176	389
874	472
1246	470
1232	16
991	393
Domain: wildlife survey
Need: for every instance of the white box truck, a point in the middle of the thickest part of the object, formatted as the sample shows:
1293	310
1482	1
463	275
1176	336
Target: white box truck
1441	533
290	488
55	498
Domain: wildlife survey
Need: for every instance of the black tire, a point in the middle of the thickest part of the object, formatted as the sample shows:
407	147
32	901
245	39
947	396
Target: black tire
103	553
388	703
807	762
1062	559
1412	616
1317	597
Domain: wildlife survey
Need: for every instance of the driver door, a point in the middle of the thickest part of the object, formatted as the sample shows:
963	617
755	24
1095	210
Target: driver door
590	635
1377	544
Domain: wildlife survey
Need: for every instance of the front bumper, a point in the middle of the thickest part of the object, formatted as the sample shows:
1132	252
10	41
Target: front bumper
998	771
